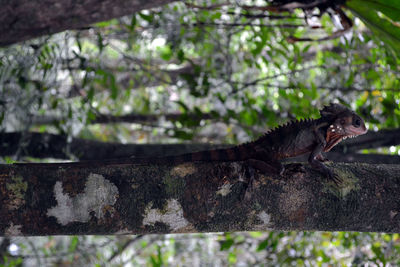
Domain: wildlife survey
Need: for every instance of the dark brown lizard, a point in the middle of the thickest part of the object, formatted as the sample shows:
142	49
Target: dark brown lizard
313	136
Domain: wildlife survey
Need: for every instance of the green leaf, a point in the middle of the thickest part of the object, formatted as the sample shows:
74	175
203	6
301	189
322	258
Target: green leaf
216	15
232	257
90	116
226	244
54	103
69	114
183	105
90	94
350	80
100	42
133	23
149	18
165	52
181	55
390	8
113	87
184	135
190	80
108	23
263	245
377	249
385	30
74	243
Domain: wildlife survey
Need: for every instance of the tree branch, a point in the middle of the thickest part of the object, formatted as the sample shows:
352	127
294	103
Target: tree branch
128	118
44	145
22	20
123	198
355	157
382	138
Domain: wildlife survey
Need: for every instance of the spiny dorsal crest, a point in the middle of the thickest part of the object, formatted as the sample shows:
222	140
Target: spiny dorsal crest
288	128
333	110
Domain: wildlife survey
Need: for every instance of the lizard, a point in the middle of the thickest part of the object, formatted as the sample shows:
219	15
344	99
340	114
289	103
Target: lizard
314	136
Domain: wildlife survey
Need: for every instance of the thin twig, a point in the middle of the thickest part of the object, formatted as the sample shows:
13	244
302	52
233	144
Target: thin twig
124	246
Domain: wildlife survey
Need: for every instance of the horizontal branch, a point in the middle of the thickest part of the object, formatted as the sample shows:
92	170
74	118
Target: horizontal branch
355	157
223	24
22	20
332	88
128	118
44	145
122	198
382	138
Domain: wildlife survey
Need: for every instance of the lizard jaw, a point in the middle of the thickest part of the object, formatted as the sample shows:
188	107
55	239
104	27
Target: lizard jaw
332	140
348	136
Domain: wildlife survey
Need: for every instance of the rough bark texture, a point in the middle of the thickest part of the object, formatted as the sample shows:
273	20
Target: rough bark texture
121	198
23	19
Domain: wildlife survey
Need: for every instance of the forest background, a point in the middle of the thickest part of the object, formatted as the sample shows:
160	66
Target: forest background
195	74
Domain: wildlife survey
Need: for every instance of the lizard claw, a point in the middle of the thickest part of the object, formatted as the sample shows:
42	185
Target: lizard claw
333	177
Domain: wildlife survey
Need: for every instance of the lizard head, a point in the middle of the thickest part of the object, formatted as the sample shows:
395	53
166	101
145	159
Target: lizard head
343	123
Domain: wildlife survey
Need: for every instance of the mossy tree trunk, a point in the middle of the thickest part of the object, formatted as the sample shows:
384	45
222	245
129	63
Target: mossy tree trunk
123	198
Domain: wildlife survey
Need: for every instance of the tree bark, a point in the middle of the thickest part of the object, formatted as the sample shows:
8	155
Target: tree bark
125	198
23	19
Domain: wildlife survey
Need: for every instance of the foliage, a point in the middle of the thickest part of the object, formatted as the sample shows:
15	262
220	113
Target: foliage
229	249
230	72
231	64
382	18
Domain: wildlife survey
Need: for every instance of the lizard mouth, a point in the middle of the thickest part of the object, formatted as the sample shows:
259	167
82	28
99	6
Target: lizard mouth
332	140
348	136
333	137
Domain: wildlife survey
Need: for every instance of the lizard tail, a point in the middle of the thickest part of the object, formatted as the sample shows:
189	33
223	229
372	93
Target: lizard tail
236	153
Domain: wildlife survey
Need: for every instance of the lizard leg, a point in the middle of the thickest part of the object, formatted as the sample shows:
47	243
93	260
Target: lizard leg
315	157
266	166
265	163
318	165
321	158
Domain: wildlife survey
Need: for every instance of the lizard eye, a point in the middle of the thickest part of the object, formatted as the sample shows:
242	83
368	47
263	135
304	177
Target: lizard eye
342	121
357	123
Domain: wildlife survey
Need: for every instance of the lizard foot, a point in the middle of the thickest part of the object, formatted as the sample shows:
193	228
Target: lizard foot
318	165
333	177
